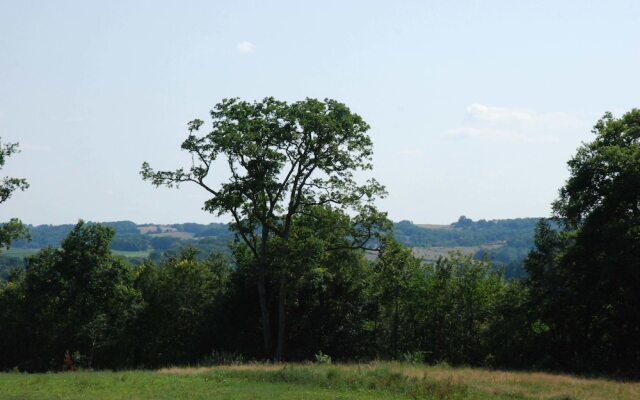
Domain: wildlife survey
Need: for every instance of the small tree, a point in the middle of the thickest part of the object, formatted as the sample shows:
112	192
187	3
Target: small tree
14	228
282	160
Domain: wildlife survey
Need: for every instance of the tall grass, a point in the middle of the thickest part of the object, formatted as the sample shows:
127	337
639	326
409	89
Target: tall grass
382	381
358	378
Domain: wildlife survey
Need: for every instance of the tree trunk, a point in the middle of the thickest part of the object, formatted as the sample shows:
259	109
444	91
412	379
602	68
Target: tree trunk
264	310
282	303
395	329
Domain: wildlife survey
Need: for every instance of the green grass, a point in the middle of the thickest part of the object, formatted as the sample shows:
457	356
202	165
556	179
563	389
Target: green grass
296	381
152	385
22	253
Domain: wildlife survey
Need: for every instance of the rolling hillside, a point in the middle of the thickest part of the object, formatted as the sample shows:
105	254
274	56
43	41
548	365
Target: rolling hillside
505	242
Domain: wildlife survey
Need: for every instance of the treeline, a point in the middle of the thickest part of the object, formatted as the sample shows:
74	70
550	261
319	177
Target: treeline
298	281
82	300
509	240
513	239
464	232
127	235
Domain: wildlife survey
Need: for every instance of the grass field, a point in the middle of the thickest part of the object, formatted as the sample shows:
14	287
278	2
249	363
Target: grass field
431	254
296	381
132	254
175	234
21	253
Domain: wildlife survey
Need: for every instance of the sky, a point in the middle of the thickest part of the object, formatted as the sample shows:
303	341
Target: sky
475	106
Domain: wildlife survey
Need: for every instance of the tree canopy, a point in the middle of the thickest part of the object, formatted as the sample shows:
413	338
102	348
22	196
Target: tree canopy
591	269
282	160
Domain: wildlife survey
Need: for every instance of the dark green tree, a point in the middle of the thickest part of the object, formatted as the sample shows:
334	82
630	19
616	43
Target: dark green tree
590	269
78	298
457	308
396	275
281	159
181	296
327	272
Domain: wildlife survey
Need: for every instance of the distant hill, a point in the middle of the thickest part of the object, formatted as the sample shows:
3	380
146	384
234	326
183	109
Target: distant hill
506	242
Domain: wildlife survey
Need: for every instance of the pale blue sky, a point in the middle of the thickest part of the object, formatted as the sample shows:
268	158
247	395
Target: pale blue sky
475	106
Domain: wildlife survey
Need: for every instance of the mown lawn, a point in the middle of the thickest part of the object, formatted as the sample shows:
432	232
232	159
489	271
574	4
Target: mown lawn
295	381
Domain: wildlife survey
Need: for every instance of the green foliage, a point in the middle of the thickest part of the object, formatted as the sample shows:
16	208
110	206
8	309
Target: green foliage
508	241
129	242
181	296
455	304
283	160
517	232
322	358
589	270
9	185
13	229
7	264
414	357
163	243
76	298
326	266
396	276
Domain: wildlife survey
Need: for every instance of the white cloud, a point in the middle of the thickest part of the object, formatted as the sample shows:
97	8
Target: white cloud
498	135
516	125
245	47
481	112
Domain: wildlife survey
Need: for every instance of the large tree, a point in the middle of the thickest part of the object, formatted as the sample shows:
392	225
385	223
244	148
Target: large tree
13	229
590	268
281	160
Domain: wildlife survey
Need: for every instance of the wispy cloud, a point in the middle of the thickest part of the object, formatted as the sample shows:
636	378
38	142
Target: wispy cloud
245	47
480	112
517	125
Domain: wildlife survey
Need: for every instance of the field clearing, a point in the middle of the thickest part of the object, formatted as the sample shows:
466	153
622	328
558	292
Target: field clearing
175	234
22	253
307	381
132	254
435	252
437	226
145	229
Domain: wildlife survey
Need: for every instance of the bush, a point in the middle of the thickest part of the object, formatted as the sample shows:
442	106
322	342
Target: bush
322	358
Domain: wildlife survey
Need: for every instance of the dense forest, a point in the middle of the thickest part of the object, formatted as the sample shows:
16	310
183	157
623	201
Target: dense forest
296	280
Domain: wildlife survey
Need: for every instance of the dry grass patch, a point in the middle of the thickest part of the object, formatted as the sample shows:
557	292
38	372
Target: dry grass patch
501	384
533	385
